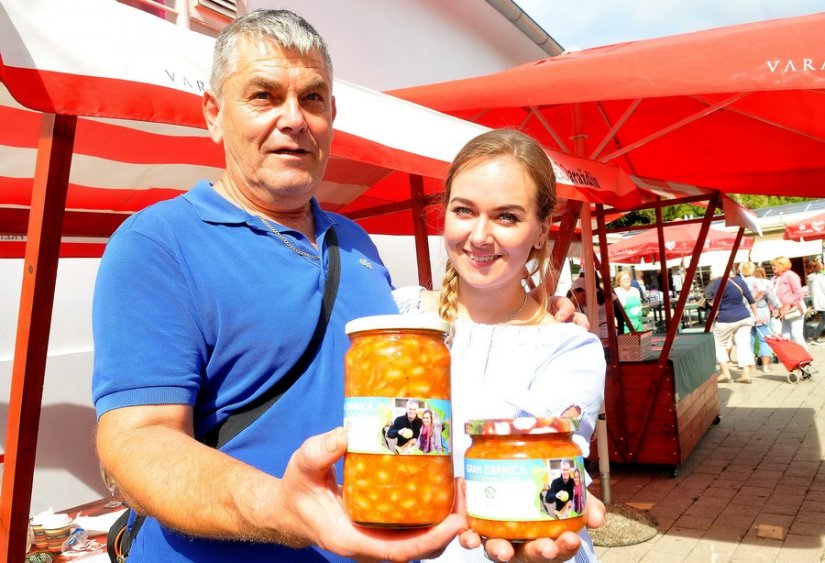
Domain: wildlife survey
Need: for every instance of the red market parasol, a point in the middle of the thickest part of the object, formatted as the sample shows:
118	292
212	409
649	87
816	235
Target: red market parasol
679	241
739	109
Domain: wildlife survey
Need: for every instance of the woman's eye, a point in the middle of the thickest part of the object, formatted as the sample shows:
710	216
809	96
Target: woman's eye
509	218
462	210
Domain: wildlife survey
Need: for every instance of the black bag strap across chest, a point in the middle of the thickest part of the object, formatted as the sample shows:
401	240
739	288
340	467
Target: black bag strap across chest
239	420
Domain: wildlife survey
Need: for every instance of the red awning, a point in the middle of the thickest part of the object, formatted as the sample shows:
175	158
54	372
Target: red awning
812	228
739	109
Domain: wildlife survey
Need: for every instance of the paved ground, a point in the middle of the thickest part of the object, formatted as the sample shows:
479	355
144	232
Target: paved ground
752	491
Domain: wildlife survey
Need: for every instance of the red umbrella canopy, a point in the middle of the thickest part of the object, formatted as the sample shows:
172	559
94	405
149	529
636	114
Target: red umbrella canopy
680	241
739	109
812	228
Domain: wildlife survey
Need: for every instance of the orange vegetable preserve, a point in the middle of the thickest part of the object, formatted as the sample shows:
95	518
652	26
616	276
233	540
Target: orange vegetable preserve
525	478
398	468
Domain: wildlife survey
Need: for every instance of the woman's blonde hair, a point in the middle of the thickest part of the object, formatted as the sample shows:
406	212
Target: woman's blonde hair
536	165
783	261
747	268
617	281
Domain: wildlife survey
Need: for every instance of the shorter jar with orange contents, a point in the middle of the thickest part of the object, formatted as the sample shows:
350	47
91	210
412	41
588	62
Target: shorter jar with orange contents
524	478
398	468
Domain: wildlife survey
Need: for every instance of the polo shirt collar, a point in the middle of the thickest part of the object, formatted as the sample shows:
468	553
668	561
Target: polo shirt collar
212	207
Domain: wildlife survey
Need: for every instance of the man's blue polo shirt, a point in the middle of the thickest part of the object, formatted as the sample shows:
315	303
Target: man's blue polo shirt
198	303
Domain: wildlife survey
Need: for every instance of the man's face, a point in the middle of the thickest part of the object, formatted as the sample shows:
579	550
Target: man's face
412	411
275	123
565	471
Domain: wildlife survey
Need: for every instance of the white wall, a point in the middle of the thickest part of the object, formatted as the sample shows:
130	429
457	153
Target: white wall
387	44
66	472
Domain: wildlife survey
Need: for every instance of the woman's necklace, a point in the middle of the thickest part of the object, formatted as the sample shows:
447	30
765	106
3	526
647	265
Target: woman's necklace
515	313
275	231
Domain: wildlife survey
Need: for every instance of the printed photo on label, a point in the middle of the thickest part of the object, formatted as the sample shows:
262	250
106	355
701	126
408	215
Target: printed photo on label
398	425
563	494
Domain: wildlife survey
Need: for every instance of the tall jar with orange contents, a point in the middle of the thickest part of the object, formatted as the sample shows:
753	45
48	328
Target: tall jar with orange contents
524	478
398	468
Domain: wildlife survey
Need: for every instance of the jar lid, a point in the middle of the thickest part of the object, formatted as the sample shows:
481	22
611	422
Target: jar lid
521	425
428	321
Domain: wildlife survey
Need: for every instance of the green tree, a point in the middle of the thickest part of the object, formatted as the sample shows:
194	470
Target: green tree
683	210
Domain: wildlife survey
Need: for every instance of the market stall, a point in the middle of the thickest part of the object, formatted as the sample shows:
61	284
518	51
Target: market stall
659	413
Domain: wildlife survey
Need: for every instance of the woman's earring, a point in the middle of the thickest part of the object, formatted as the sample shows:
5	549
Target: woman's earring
540	244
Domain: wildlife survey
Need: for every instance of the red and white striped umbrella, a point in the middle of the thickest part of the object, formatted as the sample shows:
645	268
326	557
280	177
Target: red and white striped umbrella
136	81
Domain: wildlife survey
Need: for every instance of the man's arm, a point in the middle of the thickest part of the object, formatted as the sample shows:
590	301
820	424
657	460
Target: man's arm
397	425
158	464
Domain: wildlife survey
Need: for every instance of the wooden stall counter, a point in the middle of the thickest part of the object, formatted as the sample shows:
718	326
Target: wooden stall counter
657	416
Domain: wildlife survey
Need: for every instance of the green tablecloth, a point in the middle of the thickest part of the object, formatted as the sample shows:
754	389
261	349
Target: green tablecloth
693	357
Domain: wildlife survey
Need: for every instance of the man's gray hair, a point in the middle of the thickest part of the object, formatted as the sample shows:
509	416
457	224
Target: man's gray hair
281	27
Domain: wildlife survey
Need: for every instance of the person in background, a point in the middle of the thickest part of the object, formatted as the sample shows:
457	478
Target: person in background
630	299
509	357
762	293
578	294
816	288
734	320
638	281
788	290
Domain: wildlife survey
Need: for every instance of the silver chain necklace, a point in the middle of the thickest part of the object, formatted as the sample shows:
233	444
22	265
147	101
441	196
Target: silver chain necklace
275	231
515	313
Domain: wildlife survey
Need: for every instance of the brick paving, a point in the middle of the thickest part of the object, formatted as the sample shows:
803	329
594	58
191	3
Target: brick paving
752	491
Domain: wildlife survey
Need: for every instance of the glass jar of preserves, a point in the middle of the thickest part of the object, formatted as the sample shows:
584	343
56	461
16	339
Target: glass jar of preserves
524	478
398	469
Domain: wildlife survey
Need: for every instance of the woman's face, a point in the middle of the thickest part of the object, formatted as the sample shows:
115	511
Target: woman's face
490	226
624	281
577	478
427	419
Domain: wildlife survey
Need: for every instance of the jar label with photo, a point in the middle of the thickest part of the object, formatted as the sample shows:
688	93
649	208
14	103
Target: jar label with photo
398	425
525	490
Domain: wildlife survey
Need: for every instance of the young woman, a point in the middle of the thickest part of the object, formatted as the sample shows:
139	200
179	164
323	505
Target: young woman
509	356
429	440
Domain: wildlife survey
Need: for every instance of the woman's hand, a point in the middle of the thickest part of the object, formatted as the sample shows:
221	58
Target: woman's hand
542	550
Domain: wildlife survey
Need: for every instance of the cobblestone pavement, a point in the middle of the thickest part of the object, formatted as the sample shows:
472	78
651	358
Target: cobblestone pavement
752	491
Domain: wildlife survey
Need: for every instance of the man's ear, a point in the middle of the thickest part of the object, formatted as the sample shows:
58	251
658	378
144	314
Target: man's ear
212	115
334	111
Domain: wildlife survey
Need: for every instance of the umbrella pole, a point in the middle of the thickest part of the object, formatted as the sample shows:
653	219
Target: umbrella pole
593	318
48	203
592	311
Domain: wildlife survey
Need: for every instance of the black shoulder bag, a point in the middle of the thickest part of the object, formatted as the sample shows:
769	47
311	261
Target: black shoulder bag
123	531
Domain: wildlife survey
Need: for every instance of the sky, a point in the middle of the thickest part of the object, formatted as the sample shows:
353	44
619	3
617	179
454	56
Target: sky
590	23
